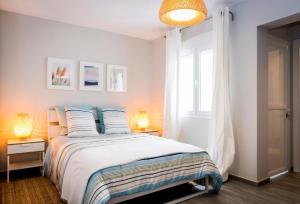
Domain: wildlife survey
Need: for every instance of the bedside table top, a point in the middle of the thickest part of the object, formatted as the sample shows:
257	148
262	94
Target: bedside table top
145	131
24	141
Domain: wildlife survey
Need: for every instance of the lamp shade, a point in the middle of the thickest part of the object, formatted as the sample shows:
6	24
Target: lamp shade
23	125
182	12
142	120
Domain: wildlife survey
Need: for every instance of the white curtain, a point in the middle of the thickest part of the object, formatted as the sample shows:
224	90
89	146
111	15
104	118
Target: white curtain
171	106
221	145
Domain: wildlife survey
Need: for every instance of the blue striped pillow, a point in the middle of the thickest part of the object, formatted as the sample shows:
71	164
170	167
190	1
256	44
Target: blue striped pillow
115	121
80	121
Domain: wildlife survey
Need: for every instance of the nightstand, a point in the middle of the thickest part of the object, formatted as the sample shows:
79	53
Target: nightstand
22	146
148	131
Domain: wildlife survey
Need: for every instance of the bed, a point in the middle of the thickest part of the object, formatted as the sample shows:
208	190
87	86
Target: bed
115	168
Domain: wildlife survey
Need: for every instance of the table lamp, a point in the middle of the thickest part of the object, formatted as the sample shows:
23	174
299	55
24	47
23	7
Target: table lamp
142	120
23	126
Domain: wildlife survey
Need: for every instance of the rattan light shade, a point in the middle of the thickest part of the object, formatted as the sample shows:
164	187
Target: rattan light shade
197	7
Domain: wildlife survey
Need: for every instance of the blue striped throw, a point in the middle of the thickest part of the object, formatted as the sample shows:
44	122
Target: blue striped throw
80	121
115	121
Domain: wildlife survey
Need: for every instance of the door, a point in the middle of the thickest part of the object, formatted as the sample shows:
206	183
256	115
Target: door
296	105
278	106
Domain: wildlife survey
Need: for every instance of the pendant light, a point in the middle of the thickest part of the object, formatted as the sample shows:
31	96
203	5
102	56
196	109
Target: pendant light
182	12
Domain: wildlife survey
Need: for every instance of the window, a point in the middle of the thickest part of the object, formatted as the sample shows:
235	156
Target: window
206	68
195	81
186	83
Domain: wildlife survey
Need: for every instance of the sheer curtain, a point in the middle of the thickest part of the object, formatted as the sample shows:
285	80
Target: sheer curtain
171	101
221	140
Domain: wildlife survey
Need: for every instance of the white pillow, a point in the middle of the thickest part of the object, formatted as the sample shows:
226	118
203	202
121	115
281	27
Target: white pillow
81	122
115	121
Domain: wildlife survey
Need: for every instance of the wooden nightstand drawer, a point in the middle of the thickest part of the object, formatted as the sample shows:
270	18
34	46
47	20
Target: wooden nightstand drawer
26	147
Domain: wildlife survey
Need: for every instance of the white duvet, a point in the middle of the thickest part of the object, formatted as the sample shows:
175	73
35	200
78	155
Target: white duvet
85	162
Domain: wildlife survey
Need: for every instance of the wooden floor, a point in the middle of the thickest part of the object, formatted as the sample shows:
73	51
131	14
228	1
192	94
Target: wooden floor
28	187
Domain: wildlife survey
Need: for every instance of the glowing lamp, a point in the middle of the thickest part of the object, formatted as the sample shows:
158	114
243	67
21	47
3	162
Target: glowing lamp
23	126
142	120
182	12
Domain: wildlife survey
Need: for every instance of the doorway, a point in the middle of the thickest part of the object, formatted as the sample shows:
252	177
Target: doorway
296	105
278	98
278	130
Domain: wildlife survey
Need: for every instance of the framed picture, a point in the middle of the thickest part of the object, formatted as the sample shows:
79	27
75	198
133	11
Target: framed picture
60	74
91	76
116	78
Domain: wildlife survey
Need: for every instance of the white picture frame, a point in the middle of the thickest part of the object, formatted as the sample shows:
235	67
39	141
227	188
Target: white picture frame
91	76
60	74
116	78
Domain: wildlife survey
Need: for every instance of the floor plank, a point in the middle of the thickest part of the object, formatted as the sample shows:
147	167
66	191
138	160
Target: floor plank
27	186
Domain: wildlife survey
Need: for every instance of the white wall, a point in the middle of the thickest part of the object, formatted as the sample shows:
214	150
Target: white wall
158	81
25	44
195	130
194	31
243	78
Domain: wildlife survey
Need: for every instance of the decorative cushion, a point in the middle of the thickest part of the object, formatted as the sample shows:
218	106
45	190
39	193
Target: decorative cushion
115	121
101	126
80	121
62	120
61	116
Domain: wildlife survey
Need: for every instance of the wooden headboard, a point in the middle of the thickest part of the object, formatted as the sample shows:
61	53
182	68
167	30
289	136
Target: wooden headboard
53	125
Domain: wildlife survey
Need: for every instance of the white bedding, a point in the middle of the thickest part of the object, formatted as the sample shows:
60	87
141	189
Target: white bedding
87	161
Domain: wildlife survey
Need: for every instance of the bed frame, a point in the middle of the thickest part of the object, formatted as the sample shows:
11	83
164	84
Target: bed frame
54	130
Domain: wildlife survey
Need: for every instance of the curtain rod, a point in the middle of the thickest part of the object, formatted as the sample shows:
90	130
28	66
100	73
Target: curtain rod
181	29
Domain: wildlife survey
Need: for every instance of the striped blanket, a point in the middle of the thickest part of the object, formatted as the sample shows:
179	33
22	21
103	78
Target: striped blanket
114	166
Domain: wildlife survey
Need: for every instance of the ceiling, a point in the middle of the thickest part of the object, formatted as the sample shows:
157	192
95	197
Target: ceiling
136	18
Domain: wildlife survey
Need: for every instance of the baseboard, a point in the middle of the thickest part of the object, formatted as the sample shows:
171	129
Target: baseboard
253	183
263	182
293	169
